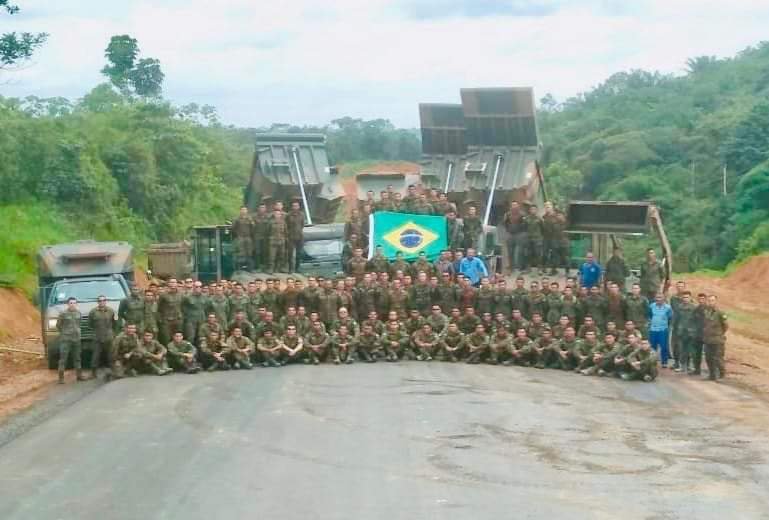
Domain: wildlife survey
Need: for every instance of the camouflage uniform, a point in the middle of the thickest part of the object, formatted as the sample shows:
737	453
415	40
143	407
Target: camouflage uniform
151	320
316	343
534	245
455	234
194	311
685	333
472	228
420	298
554	304
329	304
394	343
648	360
170	312
714	338
68	325
379	264
178	357
499	347
352	326
451	347
220	306
425	344
243	238
343	349
522	352
357	268
295	222
131	312
261	234
122	345
651	278
266	347
102	322
144	360
235	354
365	297
484	300
477	346
245	326
398	301
637	310
278	233
368	346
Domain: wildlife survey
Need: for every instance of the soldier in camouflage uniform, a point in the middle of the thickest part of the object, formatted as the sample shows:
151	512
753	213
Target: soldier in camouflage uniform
295	222
455	232
424	341
131	310
533	224
379	262
394	340
637	309
247	328
642	364
316	343
329	303
565	348
343	346
545	347
398	299
261	235
68	325
522	349
150	357
500	343
213	352
151	320
477	344
182	355
219	305
123	346
269	349
102	321
714	338
170	312
357	265
194	312
240	349
685	330
601	360
651	275
472	228
619	356
451	346
243	238
278	233
367	344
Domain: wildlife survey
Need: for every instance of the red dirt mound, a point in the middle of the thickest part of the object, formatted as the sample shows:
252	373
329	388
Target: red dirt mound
752	275
19	319
406	168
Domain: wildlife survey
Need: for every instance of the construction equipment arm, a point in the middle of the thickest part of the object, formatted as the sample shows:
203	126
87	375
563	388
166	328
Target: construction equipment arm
656	222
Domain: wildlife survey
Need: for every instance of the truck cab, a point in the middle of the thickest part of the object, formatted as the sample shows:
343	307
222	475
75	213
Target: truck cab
83	270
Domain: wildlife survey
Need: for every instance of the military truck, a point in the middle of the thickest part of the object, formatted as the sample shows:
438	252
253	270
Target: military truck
214	259
84	270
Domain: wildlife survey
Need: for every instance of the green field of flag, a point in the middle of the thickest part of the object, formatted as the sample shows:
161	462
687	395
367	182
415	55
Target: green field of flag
409	234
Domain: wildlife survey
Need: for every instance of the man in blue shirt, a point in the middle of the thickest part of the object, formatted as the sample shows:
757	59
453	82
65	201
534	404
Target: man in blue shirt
473	268
590	272
660	315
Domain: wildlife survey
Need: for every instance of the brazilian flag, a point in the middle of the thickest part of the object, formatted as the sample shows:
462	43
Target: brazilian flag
409	234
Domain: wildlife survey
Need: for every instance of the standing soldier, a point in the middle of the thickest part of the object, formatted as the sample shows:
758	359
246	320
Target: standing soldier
562	247
261	234
550	238
182	355
278	232
714	327
699	313
357	265
379	262
102	321
295	223
455	232
131	310
150	321
170	311
472	228
194	311
516	237
68	325
243	236
398	299
329	303
616	269
399	264
651	275
685	330
637	309
533	224
219	304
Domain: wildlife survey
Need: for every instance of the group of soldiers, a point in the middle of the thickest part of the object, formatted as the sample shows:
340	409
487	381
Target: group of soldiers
269	240
390	315
533	240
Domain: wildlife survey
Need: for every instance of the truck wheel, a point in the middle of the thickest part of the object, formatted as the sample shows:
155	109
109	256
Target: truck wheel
53	357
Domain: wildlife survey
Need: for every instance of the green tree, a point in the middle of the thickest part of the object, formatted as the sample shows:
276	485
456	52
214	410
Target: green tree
143	78
17	48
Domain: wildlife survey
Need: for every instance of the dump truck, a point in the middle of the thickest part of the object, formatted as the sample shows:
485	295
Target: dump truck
484	151
295	166
607	222
83	270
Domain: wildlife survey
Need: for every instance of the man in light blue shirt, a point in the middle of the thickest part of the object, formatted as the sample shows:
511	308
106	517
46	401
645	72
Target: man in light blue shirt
473	268
660	315
590	272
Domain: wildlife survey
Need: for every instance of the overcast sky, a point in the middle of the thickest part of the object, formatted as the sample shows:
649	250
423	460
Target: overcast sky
307	61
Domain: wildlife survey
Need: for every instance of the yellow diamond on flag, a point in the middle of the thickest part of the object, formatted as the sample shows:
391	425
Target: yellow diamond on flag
410	238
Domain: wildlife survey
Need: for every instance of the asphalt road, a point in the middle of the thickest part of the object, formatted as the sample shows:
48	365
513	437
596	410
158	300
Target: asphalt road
416	440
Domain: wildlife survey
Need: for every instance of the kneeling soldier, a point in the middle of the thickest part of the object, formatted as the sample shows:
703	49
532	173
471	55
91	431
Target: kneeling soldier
343	346
213	352
368	344
316	343
621	352
477	344
547	350
642	363
499	346
181	355
425	341
522	350
452	344
240	349
152	356
269	349
123	346
394	340
292	345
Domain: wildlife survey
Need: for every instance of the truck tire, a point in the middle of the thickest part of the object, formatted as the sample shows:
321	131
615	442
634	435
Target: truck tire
53	358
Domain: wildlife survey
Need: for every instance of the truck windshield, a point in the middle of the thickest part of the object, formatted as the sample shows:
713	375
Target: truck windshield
321	248
87	291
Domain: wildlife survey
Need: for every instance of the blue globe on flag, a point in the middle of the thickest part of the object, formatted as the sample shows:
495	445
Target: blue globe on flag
410	238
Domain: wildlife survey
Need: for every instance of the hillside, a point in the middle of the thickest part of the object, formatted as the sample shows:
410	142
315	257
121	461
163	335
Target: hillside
646	136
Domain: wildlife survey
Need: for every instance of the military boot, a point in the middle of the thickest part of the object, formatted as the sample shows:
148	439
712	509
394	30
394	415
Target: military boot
61	377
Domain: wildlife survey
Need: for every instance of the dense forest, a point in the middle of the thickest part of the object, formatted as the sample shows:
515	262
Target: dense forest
673	140
124	163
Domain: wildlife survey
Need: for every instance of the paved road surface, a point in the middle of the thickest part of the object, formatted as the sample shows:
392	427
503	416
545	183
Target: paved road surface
417	440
